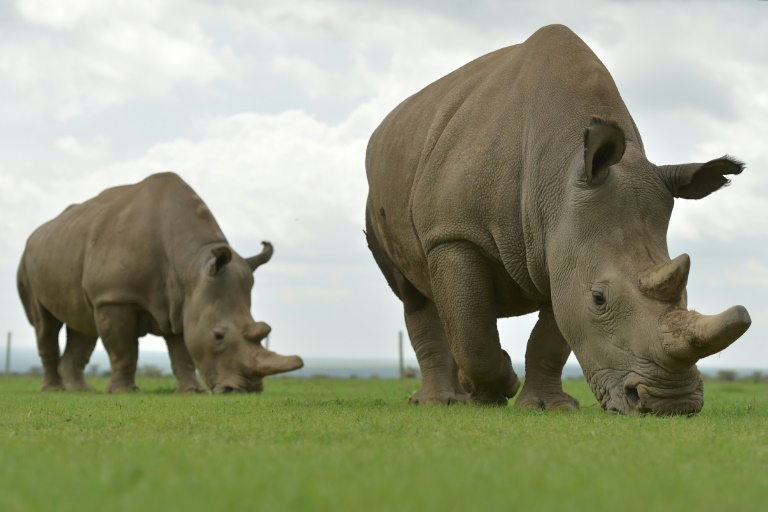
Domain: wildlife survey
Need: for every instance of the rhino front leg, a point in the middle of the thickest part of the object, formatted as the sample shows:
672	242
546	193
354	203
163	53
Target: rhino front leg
439	373
463	290
76	356
545	357
118	329
183	366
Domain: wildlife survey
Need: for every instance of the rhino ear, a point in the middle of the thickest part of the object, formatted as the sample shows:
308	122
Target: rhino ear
220	256
694	181
604	146
255	262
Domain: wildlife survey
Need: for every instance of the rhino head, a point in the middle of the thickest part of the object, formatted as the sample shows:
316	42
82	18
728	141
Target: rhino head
619	299
219	331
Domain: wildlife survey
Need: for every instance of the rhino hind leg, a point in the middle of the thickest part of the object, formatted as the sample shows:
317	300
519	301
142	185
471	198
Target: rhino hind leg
117	326
183	367
47	331
76	356
545	357
464	293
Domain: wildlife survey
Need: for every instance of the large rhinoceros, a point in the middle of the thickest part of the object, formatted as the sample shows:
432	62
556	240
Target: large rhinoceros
139	259
519	183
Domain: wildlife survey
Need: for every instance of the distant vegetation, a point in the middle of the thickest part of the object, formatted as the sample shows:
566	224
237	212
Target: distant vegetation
154	371
732	376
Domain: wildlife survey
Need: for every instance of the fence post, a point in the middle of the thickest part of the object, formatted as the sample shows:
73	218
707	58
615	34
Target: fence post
400	347
8	355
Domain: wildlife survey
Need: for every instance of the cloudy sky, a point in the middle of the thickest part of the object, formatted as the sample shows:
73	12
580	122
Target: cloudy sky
265	109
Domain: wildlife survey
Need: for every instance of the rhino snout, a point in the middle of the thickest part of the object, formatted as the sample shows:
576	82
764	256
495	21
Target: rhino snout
665	399
636	394
238	386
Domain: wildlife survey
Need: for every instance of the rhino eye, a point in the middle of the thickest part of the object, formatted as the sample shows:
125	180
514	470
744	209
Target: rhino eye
598	298
218	335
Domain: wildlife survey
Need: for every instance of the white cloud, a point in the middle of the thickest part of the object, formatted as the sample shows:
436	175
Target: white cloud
738	210
73	147
99	54
68	15
752	274
319	82
19	197
285	176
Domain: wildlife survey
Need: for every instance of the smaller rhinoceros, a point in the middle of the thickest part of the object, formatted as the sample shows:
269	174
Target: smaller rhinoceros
140	259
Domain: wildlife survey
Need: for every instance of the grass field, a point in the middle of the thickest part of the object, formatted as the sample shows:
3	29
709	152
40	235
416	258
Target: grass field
356	445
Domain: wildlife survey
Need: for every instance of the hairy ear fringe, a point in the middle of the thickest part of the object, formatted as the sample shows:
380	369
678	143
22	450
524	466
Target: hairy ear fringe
740	166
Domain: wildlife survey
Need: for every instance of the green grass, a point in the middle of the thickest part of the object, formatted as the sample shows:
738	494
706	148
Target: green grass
357	445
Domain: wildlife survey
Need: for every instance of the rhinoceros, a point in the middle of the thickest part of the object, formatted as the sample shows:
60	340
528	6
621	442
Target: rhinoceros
138	259
519	183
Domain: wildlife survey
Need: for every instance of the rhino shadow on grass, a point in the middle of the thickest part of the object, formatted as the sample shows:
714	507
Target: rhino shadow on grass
519	183
140	259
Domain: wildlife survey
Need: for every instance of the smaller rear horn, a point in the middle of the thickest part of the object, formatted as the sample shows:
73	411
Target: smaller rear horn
667	281
256	331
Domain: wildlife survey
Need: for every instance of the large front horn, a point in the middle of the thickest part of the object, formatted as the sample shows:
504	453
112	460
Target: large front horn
666	282
690	336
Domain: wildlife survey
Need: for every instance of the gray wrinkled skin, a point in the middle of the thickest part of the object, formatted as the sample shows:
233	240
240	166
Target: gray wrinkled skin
139	259
519	183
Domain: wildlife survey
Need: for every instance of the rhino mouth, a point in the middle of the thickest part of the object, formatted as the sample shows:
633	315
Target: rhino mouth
637	395
239	385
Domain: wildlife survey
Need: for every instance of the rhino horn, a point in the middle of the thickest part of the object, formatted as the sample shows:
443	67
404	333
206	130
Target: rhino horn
666	282
255	262
256	331
690	336
270	363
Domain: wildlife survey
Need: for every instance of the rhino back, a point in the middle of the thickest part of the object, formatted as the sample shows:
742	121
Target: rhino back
484	155
132	244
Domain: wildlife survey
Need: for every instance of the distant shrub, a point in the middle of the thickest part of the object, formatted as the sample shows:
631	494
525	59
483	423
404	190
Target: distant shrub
410	373
150	371
726	375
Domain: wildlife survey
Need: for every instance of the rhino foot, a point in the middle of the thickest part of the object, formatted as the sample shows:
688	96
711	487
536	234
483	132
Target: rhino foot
443	398
491	393
488	398
80	386
75	382
121	388
194	387
558	400
55	386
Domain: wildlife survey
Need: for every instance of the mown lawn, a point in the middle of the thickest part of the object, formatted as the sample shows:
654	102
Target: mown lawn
356	445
